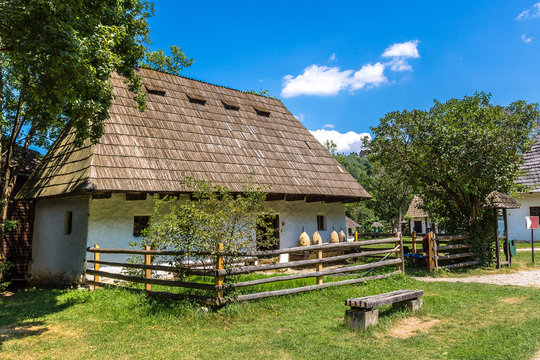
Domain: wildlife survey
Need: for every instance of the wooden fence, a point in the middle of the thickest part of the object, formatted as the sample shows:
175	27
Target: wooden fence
215	285
449	252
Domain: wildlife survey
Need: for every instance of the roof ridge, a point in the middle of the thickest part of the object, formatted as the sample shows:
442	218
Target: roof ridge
206	82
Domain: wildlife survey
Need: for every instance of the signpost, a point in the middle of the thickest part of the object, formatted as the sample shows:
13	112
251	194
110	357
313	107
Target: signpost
533	222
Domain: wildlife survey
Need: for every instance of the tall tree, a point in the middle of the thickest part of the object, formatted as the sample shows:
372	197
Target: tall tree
56	59
457	152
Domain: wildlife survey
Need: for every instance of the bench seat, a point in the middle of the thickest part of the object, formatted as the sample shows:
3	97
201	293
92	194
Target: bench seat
369	302
362	315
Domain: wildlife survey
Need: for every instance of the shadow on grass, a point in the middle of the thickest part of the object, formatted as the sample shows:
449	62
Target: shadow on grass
21	311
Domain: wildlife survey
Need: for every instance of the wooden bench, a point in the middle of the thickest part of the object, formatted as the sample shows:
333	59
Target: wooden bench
362	313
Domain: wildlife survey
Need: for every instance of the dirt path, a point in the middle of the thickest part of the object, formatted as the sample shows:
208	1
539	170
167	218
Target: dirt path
520	278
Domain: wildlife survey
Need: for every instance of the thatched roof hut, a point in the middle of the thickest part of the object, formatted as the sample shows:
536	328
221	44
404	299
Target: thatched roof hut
200	130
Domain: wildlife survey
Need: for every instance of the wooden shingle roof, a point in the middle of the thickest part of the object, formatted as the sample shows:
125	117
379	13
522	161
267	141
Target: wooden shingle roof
414	210
500	200
531	168
178	136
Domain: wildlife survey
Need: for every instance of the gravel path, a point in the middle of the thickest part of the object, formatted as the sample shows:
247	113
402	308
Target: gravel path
520	278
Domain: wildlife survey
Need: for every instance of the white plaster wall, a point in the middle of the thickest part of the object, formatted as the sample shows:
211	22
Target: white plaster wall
516	218
110	223
58	258
293	215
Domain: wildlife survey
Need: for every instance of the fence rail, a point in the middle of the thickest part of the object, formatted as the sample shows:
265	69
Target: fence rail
216	285
449	252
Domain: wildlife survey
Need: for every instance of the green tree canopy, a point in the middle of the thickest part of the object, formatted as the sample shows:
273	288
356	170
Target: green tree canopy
56	60
457	152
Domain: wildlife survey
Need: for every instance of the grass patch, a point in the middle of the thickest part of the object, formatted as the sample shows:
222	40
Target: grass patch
466	321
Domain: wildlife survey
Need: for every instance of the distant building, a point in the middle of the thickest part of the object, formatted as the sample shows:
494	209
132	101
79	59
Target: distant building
419	218
530	200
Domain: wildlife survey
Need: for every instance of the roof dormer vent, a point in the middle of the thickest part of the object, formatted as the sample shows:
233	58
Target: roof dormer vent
262	112
196	100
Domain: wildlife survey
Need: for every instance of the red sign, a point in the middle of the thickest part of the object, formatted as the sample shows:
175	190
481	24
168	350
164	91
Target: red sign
532	222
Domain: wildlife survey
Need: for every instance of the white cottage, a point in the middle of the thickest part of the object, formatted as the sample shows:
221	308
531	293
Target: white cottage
530	200
102	193
419	218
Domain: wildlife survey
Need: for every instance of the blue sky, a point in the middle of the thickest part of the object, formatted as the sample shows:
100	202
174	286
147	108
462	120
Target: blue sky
341	66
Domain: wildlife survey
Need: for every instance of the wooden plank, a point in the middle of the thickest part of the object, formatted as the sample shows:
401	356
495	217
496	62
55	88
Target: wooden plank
312	287
147	272
369	302
136	279
218	280
327	246
453	247
96	265
167	268
198	298
354	301
453	237
293	264
346	269
143	252
463	264
324	247
456	256
319	268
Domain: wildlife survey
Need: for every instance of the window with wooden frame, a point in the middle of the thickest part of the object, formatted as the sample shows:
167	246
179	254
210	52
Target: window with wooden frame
321	222
68	222
140	223
135	196
534	211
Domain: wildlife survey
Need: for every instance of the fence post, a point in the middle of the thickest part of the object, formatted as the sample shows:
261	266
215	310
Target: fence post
399	253
218	278
431	262
414	242
96	266
435	252
147	272
356	236
319	267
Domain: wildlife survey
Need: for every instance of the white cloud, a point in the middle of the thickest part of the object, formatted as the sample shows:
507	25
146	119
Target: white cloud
398	64
533	12
346	143
399	52
316	80
326	81
371	75
526	39
328	126
403	50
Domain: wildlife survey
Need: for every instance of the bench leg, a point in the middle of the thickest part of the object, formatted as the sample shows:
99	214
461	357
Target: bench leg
414	305
361	319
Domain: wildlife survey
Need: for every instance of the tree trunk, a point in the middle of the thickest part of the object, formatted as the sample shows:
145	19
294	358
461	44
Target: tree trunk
8	178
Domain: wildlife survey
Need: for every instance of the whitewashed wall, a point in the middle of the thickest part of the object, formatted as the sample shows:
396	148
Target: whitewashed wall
57	258
516	218
424	224
293	215
109	223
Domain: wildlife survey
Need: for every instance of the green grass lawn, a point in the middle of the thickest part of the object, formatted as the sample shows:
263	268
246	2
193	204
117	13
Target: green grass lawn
457	321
